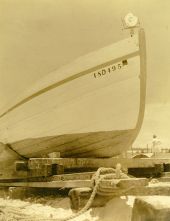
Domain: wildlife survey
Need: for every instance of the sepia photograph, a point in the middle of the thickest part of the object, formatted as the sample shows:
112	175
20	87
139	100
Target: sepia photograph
84	110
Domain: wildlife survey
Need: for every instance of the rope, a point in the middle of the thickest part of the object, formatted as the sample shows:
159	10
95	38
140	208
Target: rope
101	174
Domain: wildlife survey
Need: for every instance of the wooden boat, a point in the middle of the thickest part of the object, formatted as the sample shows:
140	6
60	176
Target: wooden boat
93	107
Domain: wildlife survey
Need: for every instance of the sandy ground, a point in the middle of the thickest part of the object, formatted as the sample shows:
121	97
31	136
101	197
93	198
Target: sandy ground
117	209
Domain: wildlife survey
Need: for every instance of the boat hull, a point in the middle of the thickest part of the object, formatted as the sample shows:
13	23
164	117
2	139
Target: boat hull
96	112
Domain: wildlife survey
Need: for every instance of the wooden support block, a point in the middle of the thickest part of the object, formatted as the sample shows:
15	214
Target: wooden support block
17	192
166	167
80	196
151	208
159	169
47	170
44	170
54	155
21	165
154	171
57	169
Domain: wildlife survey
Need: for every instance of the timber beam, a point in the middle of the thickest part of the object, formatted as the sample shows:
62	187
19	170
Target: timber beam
98	162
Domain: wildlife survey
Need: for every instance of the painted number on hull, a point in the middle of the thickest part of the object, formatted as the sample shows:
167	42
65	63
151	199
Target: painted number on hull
109	69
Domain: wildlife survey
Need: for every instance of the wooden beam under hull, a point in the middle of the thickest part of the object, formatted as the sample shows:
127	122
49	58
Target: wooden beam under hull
99	162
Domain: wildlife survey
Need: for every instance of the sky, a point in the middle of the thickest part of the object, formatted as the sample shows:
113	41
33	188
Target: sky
39	36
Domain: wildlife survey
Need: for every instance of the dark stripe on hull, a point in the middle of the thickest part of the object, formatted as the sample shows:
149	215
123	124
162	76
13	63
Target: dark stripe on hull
94	144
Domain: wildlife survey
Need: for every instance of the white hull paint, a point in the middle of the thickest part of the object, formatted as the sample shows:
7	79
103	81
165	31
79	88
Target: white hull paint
91	108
